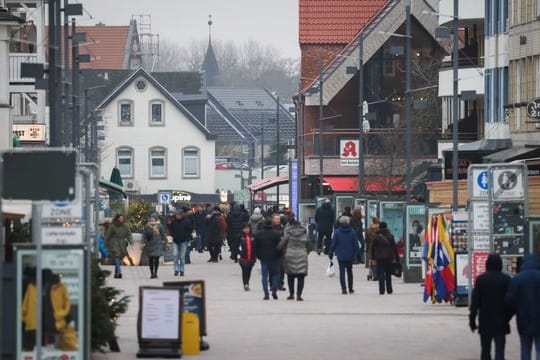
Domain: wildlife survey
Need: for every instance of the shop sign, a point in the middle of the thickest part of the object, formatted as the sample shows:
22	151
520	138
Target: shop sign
479	259
30	132
62	235
348	152
533	109
181	196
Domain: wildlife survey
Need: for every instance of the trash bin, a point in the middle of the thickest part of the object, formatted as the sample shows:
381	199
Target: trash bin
191	338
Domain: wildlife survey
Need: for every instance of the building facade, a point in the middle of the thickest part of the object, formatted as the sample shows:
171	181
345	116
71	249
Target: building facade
524	72
153	140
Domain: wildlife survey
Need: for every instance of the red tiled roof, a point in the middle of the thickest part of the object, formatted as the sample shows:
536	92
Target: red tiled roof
334	21
105	44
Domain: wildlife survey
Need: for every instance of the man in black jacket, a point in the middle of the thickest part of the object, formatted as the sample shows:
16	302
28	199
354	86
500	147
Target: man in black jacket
235	220
266	242
324	217
180	229
488	298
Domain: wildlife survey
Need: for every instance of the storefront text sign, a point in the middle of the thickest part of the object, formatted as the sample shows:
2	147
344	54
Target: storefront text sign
348	152
30	132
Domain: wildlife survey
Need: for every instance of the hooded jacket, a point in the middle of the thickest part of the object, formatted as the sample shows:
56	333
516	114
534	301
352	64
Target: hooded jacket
181	229
256	220
324	217
523	297
235	220
488	299
295	244
344	244
117	238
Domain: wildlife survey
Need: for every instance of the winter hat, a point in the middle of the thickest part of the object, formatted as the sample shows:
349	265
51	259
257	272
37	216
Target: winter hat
153	217
257	211
383	225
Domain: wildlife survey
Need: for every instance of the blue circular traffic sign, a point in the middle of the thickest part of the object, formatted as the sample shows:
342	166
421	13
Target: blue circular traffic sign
482	180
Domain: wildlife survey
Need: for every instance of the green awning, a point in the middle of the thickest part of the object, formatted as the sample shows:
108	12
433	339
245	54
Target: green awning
112	187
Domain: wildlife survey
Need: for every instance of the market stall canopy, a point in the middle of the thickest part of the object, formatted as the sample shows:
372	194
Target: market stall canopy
112	187
268	183
513	153
372	183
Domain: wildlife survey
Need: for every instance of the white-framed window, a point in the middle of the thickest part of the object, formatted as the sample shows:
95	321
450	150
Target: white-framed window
158	162
156	112
124	161
125	113
190	162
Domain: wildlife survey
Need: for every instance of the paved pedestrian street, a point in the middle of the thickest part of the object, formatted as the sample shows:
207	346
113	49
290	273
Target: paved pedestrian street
326	325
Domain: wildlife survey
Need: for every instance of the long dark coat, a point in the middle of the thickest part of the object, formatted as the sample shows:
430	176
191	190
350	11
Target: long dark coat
154	239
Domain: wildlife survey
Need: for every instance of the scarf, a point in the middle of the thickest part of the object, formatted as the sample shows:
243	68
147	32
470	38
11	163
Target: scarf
155	225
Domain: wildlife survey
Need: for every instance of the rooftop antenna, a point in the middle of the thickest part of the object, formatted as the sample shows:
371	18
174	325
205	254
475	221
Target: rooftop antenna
210	28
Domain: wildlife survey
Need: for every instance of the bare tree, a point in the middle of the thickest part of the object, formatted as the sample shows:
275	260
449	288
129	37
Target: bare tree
248	64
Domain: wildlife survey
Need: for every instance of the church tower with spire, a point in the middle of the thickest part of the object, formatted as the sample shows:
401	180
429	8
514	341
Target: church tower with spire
210	64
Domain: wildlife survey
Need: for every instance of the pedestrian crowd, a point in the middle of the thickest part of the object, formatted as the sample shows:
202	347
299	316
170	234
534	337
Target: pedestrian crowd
282	244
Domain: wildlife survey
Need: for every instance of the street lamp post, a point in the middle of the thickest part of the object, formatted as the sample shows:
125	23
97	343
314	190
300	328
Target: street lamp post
455	63
408	98
262	150
361	185
321	115
278	141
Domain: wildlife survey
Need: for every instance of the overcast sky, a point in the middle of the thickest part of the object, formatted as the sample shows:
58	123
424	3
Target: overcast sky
272	22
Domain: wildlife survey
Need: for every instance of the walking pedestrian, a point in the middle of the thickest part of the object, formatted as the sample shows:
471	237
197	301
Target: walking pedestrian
235	220
295	248
358	226
154	241
346	247
384	253
266	242
215	233
117	239
256	221
277	222
324	217
180	229
246	254
201	226
523	297
488	301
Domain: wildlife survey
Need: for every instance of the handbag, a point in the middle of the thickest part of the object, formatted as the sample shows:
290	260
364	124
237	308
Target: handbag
331	270
68	339
168	252
395	269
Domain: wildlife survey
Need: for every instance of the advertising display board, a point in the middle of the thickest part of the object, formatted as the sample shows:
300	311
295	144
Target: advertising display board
63	310
462	273
159	322
392	213
194	299
415	222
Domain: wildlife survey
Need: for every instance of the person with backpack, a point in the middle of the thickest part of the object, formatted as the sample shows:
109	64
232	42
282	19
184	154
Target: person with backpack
384	254
266	242
488	302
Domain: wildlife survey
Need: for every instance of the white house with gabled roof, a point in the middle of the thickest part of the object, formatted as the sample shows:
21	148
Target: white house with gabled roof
153	140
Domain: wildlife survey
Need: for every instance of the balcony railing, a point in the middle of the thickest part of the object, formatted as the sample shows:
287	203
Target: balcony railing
15	61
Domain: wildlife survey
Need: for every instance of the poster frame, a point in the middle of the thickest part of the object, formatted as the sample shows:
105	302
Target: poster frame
83	315
184	285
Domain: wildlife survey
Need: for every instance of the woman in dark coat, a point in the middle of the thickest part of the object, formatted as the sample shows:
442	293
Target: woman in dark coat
246	251
295	246
154	240
488	298
345	245
384	254
358	226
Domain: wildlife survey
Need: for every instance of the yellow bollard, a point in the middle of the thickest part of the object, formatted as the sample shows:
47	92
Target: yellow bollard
191	337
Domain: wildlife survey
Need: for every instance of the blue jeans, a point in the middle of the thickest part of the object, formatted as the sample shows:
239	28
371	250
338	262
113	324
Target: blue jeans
526	346
179	254
270	268
485	341
117	264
